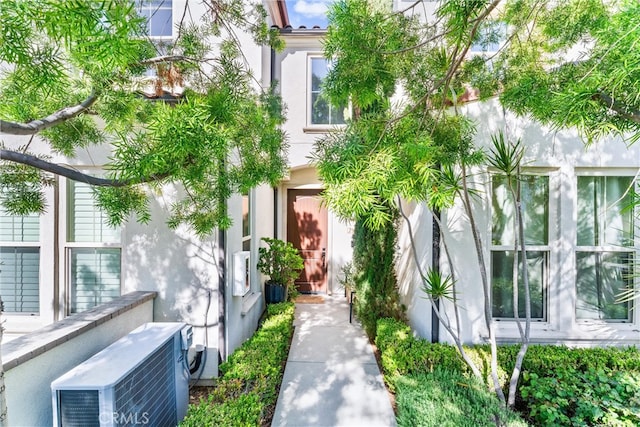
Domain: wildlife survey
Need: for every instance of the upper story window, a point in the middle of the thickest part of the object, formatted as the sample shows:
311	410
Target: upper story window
535	207
321	110
159	14
20	263
489	38
93	251
604	247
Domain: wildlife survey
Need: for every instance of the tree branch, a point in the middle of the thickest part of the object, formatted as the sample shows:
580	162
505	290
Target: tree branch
164	58
35	126
67	172
621	109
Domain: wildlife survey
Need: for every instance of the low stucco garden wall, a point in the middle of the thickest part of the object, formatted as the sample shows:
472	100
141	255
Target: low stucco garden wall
32	361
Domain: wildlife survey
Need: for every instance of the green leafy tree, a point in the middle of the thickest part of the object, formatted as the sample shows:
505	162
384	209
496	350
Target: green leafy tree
422	148
576	66
72	75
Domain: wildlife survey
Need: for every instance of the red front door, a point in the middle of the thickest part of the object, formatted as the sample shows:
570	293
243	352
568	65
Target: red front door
307	231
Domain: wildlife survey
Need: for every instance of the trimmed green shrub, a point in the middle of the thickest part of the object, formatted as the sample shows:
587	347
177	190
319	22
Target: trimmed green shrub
250	379
544	358
401	353
374	276
449	399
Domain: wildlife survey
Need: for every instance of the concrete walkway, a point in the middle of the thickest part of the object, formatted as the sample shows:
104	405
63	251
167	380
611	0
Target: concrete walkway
331	377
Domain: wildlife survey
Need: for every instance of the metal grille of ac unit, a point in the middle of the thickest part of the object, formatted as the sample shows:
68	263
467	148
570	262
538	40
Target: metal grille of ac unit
80	408
148	394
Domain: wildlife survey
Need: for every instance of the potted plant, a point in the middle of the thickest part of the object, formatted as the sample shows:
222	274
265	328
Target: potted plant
282	263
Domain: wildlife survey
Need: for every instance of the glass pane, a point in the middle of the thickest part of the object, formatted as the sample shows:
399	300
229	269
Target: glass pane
246	224
319	72
95	277
535	207
20	279
337	115
161	23
88	223
587	210
618	227
602	217
600	278
502	284
19	228
320	110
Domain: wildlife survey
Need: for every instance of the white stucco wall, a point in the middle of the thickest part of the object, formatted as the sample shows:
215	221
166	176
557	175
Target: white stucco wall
243	312
409	282
292	72
561	154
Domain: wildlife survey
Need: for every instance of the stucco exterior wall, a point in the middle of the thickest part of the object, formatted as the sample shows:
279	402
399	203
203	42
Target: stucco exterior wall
292	72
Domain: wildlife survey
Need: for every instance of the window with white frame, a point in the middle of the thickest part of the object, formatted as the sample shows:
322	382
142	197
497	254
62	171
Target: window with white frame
20	263
246	222
604	247
159	15
535	207
93	251
322	112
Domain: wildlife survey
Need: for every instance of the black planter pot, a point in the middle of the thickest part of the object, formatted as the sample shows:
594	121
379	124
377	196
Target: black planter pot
274	292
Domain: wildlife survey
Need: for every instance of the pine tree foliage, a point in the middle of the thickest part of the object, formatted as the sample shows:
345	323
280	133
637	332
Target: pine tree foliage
569	64
72	76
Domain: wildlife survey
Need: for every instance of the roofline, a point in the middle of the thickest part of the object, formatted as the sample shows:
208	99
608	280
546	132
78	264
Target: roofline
302	31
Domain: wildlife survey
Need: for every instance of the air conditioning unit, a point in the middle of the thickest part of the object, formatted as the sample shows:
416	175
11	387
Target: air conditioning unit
141	379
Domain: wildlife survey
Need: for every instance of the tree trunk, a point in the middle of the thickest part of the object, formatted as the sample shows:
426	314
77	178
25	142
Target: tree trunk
515	374
477	240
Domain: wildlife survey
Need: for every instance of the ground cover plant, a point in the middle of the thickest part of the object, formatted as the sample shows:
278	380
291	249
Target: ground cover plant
449	398
247	389
559	386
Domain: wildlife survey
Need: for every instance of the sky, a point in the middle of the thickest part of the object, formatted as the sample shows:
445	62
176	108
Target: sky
308	12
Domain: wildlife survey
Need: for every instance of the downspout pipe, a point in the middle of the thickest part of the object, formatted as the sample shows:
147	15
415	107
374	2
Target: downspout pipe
435	264
222	296
272	75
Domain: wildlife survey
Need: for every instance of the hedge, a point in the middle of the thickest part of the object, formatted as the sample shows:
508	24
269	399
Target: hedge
249	380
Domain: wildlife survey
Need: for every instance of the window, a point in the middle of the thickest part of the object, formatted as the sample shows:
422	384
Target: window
246	222
489	38
159	15
535	206
93	251
20	263
604	254
322	112
242	259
